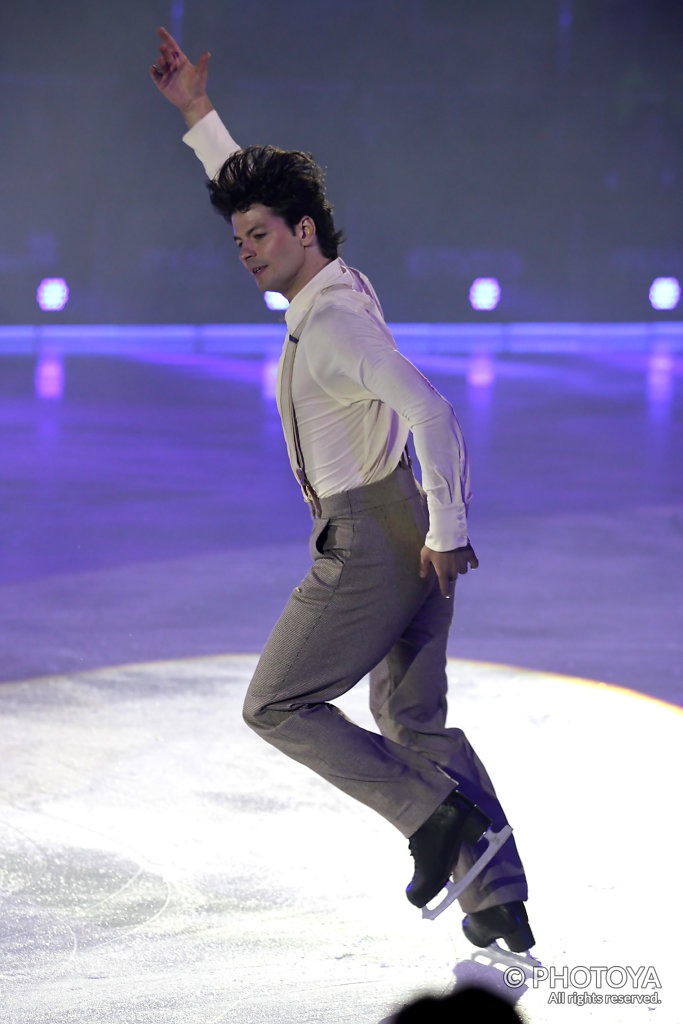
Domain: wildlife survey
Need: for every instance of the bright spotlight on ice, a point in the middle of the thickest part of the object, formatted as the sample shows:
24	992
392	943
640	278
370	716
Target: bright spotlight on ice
52	294
484	293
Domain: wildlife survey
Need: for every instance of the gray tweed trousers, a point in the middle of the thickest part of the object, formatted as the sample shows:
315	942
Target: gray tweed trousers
363	608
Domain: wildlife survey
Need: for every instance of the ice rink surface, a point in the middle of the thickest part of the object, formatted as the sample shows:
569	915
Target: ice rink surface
161	865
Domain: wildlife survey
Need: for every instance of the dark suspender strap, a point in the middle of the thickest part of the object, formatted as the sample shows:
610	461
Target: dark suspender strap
306	486
405	461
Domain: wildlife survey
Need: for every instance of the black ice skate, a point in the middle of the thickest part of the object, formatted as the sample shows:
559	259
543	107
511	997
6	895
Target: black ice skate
436	847
494	841
507	921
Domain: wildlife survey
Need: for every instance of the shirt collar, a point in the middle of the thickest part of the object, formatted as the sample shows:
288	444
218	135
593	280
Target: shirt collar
335	272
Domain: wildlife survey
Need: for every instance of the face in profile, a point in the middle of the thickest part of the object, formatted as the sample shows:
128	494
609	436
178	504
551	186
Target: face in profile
272	252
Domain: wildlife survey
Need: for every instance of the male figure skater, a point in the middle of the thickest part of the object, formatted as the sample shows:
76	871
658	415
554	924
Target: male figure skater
378	597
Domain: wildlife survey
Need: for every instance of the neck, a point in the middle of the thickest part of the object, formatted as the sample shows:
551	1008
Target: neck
312	266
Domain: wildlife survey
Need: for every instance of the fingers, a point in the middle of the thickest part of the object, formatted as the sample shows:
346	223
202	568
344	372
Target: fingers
203	64
170	58
473	560
167	37
429	562
465	557
159	71
447	565
446	584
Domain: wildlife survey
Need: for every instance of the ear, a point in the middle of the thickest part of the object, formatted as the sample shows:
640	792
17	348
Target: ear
306	231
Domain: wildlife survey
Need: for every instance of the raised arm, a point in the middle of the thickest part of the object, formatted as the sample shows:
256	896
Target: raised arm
181	82
184	85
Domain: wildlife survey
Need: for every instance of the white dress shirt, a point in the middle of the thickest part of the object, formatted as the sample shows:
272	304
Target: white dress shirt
356	397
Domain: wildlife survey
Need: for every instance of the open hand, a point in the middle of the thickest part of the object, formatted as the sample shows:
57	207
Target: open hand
181	82
447	565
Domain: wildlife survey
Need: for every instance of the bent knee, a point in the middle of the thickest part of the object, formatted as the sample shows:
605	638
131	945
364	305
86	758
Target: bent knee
252	712
259	716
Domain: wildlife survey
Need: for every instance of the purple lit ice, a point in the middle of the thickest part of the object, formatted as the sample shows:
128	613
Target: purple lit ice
481	371
269	378
49	378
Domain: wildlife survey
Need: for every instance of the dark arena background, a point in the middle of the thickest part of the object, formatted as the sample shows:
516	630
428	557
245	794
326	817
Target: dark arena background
509	175
537	142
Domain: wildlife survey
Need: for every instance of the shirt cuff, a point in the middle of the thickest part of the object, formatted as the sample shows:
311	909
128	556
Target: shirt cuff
211	142
447	527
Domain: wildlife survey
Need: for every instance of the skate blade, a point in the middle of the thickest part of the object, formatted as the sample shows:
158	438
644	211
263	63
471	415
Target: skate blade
496	954
453	889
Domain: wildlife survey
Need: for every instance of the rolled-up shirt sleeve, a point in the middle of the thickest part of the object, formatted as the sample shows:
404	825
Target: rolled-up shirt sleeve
211	142
359	359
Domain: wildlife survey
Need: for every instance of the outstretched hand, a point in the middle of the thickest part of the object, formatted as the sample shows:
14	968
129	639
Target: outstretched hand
181	82
447	565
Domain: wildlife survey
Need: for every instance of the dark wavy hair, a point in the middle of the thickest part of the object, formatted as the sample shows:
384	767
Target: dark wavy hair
288	182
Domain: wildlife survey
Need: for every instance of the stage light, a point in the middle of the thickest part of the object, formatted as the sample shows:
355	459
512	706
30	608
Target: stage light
274	300
665	293
49	378
52	294
484	293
